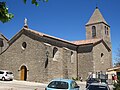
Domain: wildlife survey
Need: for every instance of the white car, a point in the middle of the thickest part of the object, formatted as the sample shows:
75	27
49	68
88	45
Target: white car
6	75
98	86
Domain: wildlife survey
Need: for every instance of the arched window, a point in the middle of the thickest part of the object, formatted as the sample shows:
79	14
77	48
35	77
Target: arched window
72	57
54	51
93	31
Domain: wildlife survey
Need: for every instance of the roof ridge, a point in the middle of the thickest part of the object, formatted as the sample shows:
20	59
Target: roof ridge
46	35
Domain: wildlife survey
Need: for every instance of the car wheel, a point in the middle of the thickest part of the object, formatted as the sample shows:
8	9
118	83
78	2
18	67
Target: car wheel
11	79
3	78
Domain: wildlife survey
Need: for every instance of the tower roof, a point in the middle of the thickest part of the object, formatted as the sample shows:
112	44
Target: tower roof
96	17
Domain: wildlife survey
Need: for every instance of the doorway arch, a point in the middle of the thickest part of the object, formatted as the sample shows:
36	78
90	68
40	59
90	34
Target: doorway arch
23	73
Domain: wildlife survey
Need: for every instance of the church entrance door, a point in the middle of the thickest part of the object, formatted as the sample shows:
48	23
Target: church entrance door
23	73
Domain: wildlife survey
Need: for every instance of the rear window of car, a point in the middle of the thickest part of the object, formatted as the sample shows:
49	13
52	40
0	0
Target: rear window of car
1	72
58	85
97	87
9	72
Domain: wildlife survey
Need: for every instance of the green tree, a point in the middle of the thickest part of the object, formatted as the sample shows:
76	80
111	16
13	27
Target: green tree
5	16
117	84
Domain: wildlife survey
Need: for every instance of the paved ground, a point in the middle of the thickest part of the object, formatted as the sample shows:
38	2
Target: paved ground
25	85
21	85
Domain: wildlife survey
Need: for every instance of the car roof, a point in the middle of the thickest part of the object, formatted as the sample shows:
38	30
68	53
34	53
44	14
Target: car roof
100	84
5	70
61	79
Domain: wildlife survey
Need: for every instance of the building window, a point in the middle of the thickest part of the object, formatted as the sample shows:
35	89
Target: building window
24	45
55	54
105	30
102	54
72	57
54	51
93	31
1	42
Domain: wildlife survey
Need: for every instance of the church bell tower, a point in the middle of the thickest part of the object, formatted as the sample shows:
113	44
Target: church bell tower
97	27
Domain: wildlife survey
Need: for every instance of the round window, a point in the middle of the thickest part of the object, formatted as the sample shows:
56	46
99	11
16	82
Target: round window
24	45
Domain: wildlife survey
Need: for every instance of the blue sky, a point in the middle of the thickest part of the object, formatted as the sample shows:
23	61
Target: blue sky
64	19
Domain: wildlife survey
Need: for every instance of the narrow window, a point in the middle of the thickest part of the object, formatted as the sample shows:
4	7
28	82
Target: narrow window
54	51
105	30
93	31
56	54
1	42
102	54
72	57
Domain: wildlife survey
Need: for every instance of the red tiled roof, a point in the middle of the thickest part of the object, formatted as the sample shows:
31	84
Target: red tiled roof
79	42
83	42
45	35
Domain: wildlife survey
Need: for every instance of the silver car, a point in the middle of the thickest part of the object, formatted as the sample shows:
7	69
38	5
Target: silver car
6	75
98	86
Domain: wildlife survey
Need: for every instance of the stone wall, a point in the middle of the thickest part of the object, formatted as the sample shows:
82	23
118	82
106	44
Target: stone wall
38	58
102	58
4	43
85	61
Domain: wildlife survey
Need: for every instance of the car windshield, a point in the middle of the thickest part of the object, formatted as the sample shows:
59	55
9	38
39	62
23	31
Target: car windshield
97	87
9	72
58	85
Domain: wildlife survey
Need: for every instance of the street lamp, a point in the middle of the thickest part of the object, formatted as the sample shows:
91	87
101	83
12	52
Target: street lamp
46	62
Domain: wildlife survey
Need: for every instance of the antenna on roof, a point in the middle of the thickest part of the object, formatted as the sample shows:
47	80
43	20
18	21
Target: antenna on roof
25	23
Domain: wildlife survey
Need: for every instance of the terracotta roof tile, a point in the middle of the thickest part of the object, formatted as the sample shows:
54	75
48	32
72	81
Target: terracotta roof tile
46	35
83	42
79	42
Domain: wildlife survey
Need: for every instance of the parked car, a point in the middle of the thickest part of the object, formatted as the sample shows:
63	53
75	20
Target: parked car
91	80
6	75
62	84
98	86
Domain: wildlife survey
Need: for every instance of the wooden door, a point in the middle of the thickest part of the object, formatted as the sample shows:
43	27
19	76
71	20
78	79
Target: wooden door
23	75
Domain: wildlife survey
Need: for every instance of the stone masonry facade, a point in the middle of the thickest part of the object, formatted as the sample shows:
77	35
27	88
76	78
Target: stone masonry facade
35	56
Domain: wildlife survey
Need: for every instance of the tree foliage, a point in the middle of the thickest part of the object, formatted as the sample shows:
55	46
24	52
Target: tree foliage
117	84
5	16
35	2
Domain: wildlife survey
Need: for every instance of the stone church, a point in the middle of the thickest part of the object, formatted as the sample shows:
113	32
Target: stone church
35	56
